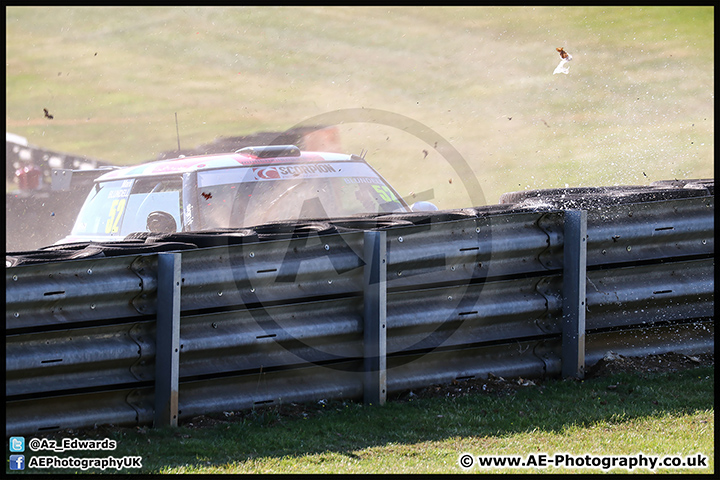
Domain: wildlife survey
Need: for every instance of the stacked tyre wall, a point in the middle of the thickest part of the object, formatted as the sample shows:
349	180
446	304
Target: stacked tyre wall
356	307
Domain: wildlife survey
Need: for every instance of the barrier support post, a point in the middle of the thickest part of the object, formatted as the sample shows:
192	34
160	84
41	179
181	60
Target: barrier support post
574	284
374	318
167	350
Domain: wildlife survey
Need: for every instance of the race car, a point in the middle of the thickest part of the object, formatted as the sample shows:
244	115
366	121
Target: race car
252	186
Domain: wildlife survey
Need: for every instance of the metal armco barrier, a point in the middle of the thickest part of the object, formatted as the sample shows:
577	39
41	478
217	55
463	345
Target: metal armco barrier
573	293
161	337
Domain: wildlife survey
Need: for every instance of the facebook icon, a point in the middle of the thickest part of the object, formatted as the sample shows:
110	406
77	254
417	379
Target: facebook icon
17	462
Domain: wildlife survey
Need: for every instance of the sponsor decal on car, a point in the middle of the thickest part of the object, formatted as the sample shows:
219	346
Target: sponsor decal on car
289	171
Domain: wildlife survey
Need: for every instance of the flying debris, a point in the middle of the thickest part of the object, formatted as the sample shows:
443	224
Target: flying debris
564	59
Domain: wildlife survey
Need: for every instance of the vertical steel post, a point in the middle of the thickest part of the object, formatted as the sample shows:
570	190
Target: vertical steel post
574	282
167	350
374	318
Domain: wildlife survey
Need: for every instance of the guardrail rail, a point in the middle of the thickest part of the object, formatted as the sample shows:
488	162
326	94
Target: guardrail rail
355	308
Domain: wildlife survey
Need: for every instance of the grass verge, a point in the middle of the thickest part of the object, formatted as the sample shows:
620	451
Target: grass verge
656	414
637	105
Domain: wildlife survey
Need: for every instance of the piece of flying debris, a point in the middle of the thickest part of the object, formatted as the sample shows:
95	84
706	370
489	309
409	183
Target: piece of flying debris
564	59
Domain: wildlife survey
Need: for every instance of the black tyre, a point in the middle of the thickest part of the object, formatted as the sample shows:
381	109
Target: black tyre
139	236
211	238
55	255
377	223
425	218
30	258
487	210
65	246
282	231
570	192
596	197
697	183
114	249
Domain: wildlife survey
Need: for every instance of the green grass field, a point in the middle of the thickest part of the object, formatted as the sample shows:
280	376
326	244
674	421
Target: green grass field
637	105
656	414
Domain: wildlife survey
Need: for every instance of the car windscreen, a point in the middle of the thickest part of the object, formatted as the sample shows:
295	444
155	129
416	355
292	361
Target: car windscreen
120	207
243	197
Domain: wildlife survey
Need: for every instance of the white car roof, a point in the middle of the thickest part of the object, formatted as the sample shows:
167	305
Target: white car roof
224	160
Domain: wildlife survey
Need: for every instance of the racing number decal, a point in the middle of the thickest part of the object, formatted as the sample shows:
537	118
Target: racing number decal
385	193
116	210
